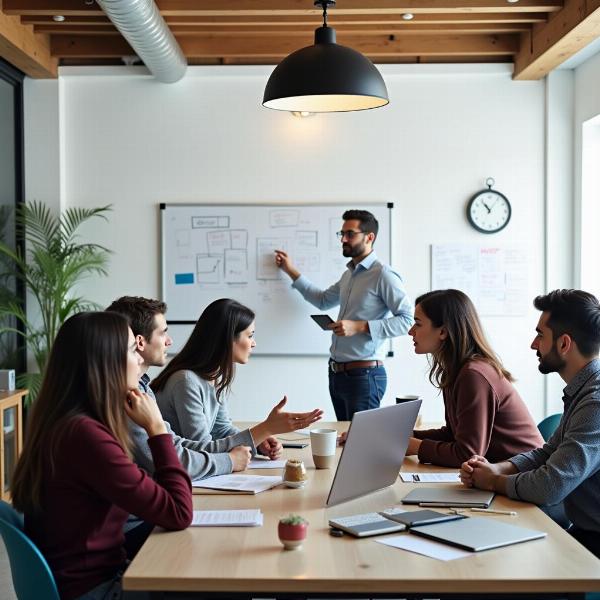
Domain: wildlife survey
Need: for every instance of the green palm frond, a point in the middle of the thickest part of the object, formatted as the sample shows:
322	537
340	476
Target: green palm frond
31	382
52	266
72	218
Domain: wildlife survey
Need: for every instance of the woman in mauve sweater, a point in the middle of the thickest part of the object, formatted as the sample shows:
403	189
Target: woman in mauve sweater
75	481
484	413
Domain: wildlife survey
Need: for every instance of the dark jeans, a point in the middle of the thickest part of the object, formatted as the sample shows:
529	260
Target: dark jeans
355	390
589	539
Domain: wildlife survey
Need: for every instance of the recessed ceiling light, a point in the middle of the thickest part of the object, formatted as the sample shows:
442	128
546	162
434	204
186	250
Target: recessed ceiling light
58	18
408	16
512	1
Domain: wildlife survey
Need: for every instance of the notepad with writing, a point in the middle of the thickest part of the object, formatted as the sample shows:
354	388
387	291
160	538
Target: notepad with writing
236	484
227	518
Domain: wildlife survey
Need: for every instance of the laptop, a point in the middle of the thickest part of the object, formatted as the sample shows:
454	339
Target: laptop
374	450
454	496
477	534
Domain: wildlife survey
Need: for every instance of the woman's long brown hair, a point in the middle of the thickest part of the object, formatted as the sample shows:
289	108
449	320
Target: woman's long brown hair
86	375
465	340
209	349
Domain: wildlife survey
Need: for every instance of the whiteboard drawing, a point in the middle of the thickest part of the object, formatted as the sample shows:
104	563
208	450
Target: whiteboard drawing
218	241
284	218
210	222
265	257
307	239
183	243
208	269
236	266
308	262
239	239
335	224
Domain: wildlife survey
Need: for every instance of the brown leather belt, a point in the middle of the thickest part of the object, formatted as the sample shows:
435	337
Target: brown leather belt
337	367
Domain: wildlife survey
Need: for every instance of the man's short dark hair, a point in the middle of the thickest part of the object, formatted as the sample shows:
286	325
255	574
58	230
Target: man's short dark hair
576	313
140	313
368	223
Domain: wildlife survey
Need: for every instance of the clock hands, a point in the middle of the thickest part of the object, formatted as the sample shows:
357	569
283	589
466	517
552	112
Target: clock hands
486	206
492	206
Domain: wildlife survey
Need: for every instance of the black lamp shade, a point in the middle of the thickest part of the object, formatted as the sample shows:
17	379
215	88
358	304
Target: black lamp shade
325	77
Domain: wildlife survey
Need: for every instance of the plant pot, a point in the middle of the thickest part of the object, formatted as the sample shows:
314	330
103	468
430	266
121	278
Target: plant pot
292	536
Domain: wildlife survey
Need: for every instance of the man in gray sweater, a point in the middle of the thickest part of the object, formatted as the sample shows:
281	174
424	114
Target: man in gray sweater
147	320
567	468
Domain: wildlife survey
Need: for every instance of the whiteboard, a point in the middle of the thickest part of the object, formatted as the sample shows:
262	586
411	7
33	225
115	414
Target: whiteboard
226	251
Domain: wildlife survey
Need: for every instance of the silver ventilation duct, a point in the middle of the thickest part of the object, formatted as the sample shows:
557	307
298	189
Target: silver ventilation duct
142	25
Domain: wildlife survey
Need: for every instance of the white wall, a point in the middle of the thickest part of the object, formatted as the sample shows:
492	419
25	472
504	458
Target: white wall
132	142
587	107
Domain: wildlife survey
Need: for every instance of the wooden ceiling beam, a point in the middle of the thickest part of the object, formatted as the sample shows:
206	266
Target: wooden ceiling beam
26	50
549	45
255	47
287	7
310	21
291	30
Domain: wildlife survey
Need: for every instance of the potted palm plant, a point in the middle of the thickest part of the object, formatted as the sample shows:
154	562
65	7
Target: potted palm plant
53	262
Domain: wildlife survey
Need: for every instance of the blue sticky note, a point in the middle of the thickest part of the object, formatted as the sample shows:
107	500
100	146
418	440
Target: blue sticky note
184	278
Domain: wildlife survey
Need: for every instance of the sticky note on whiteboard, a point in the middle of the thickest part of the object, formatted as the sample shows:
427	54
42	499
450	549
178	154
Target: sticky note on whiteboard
184	278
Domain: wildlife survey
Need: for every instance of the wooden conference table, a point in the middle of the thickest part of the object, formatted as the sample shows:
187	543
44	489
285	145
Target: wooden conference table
250	561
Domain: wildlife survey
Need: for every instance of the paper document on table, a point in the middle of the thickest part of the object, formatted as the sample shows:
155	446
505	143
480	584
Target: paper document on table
430	477
227	518
238	484
257	463
425	547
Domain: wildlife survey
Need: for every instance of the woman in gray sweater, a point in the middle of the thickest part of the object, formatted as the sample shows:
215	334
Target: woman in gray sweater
190	390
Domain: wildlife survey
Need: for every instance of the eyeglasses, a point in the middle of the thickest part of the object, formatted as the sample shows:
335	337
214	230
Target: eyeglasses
350	235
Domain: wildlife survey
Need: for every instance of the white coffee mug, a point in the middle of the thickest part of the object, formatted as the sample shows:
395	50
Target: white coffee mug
322	445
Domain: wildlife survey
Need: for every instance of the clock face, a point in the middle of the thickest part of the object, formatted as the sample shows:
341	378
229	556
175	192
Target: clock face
489	211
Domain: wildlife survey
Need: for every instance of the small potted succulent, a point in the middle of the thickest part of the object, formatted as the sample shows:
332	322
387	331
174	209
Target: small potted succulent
292	531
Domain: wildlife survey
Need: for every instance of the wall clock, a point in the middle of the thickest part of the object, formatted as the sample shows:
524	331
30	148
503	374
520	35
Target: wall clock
488	210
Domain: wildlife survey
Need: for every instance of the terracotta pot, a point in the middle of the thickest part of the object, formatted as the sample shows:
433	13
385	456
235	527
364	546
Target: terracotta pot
292	536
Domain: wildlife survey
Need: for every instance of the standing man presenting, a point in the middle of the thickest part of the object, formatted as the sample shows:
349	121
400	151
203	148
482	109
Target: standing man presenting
373	307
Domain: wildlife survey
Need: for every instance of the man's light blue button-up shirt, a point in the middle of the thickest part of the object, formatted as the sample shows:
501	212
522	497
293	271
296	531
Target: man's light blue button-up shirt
369	291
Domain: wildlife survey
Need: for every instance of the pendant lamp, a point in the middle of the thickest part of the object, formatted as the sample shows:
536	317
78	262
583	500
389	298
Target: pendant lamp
325	77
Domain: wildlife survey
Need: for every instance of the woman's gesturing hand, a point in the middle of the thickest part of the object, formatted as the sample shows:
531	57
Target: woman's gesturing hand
280	421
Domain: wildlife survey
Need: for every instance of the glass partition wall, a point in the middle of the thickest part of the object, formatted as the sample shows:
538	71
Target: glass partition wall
12	354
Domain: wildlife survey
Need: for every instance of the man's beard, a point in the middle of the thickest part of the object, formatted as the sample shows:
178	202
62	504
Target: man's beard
551	363
352	251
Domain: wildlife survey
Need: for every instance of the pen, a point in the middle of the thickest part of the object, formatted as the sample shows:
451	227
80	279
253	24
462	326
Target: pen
511	513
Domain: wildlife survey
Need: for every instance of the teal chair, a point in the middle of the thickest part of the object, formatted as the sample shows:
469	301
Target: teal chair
548	425
31	575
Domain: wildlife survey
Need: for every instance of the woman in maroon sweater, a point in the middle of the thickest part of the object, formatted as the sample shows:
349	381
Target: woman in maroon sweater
484	413
75	480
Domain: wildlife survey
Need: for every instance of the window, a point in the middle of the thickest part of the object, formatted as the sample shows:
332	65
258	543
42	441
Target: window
11	193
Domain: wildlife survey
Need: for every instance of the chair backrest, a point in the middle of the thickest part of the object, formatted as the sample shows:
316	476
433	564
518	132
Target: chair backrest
548	425
31	575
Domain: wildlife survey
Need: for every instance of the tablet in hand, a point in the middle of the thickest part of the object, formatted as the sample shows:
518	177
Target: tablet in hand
322	321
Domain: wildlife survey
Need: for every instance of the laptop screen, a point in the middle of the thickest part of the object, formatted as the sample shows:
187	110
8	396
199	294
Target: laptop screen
374	451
